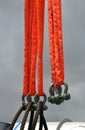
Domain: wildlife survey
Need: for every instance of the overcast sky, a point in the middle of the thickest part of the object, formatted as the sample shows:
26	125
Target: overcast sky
11	59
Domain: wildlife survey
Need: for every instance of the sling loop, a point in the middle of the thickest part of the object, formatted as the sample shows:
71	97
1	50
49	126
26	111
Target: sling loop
56	45
27	44
40	23
56	94
56	53
34	51
33	46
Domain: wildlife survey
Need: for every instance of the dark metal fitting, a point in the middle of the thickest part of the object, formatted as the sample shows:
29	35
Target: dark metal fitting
34	107
67	96
51	99
44	107
58	89
66	87
58	101
55	91
37	98
51	90
23	102
29	98
45	98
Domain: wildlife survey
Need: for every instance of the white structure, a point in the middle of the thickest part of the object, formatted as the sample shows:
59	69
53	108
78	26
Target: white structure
54	125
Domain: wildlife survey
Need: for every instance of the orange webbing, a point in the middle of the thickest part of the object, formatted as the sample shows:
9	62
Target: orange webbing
60	39
26	44
40	27
28	6
33	46
51	38
34	51
55	34
37	48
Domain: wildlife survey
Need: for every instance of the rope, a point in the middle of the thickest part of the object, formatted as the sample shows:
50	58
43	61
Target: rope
31	120
15	118
44	122
41	120
28	109
36	116
39	112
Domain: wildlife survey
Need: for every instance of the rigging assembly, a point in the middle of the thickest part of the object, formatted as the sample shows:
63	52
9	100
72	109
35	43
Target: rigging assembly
33	60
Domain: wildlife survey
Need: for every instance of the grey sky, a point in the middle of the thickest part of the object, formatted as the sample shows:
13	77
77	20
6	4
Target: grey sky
11	59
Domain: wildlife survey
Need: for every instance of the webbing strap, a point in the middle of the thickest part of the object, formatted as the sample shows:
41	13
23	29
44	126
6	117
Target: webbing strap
55	36
51	38
33	46
37	48
26	47
34	51
28	16
60	40
34	30
40	23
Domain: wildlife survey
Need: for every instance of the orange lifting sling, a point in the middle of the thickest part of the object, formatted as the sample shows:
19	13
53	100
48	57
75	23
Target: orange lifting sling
27	47
33	60
40	23
56	46
33	46
57	96
34	51
37	47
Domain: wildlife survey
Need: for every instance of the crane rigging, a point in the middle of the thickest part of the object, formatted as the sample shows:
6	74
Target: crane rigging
33	62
